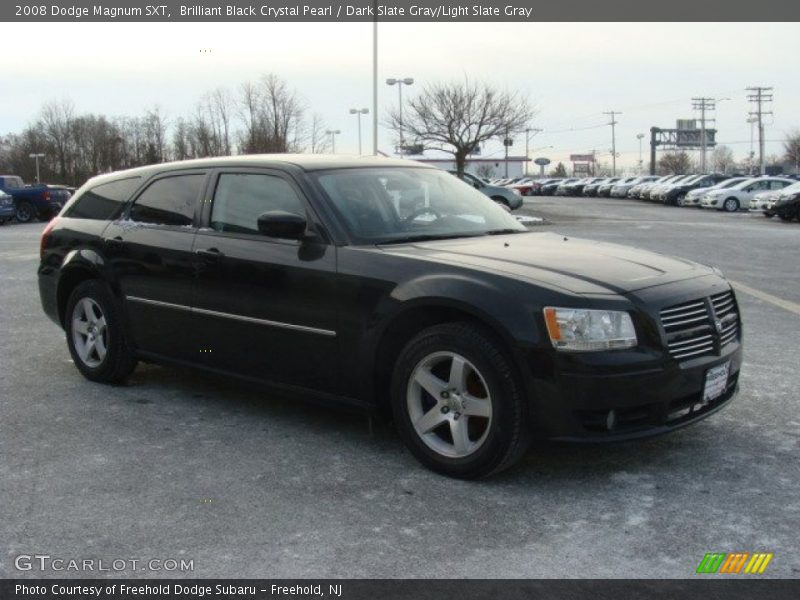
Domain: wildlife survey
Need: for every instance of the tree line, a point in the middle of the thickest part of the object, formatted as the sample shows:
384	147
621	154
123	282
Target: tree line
266	115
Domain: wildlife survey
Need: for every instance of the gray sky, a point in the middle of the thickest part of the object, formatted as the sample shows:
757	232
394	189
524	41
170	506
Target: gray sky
571	72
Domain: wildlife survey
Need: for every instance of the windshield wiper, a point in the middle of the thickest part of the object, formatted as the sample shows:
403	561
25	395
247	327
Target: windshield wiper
504	231
427	237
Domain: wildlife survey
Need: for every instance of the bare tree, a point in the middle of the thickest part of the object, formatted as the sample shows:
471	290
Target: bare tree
722	159
56	122
272	115
674	163
791	147
319	142
458	117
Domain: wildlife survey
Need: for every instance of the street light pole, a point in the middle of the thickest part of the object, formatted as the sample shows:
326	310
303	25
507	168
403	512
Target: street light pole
375	82
359	112
36	156
333	133
400	83
639	137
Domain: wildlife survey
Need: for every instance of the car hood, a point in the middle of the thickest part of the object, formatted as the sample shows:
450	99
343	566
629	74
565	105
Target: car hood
571	264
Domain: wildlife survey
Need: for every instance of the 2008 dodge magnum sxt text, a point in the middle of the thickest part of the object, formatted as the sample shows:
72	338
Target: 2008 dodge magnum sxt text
388	284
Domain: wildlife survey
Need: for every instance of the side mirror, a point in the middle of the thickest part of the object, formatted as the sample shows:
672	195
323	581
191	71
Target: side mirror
282	224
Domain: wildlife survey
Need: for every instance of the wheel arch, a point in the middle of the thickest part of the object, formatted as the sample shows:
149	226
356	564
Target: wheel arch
78	266
415	317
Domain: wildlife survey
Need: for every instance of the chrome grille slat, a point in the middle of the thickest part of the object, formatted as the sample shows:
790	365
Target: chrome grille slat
709	348
690	326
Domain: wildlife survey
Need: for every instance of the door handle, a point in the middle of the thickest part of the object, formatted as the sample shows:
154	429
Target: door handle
209	254
115	242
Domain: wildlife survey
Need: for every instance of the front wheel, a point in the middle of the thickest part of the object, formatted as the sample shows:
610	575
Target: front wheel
457	402
95	334
730	205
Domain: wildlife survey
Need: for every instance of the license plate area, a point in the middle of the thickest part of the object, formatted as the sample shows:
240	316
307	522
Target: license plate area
716	382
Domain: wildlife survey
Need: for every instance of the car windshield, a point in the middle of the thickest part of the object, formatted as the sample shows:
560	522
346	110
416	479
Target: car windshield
400	204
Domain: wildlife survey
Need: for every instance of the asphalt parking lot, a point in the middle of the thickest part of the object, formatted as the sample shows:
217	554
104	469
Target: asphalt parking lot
184	465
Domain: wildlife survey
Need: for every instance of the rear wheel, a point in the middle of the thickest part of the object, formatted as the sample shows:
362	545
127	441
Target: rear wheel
95	335
25	212
730	205
457	403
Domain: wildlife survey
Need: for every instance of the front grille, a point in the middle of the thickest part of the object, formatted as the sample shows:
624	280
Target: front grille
700	327
725	310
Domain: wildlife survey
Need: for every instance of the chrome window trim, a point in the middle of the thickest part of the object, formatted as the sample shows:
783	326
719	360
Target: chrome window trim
224	315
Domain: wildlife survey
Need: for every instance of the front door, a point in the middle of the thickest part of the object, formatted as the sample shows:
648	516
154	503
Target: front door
266	308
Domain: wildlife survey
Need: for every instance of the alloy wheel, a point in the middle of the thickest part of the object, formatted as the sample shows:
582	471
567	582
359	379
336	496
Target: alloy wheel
449	404
89	332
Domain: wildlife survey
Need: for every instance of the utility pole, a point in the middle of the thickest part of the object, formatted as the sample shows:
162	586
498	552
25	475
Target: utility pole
612	114
759	96
703	105
639	137
37	156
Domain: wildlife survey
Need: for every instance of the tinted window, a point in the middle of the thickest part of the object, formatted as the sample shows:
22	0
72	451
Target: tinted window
169	201
103	202
242	197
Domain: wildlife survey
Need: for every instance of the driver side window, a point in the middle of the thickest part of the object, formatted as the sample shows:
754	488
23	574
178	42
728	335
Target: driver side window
240	198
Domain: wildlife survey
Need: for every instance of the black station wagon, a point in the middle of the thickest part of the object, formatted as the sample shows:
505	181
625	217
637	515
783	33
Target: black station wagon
392	287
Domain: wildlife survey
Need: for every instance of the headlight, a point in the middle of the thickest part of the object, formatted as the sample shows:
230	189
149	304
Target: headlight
587	330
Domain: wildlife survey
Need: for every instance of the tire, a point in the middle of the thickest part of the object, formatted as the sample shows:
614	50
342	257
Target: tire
25	212
92	322
730	205
487	386
679	200
501	200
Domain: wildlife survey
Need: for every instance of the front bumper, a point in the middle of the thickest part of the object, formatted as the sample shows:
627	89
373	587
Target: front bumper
626	394
593	405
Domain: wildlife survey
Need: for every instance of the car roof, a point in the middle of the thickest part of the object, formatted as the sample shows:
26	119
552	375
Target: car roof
306	162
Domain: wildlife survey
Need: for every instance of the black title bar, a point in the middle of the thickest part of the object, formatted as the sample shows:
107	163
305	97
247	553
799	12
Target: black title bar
400	11
701	587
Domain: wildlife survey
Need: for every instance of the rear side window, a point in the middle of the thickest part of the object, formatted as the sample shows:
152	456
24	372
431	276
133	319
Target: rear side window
103	202
242	197
169	201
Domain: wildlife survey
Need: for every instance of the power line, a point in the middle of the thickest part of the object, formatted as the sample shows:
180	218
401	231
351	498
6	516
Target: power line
760	95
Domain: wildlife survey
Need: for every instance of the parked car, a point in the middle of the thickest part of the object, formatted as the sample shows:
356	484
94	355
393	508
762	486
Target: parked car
739	196
630	189
765	201
593	189
7	208
550	189
653	192
524	186
59	194
694	197
643	191
536	186
31	201
675	194
787	207
504	196
474	332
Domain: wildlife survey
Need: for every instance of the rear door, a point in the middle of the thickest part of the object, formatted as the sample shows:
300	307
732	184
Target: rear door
266	308
150	258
